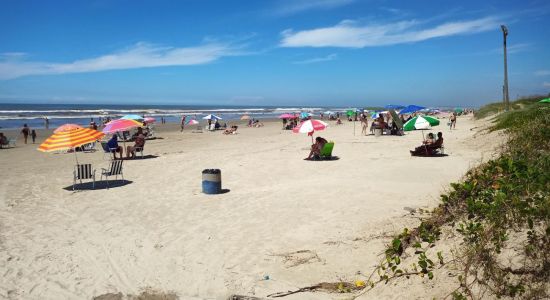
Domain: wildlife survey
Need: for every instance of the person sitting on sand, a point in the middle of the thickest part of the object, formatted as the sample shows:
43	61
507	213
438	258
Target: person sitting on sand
430	139
3	139
231	130
338	121
113	146
317	147
428	147
139	143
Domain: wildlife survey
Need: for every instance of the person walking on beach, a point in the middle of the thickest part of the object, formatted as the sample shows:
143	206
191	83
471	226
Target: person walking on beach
452	121
33	135
46	122
183	122
25	132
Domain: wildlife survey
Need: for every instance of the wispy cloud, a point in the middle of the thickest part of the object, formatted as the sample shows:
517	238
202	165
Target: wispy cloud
350	34
317	59
542	73
141	55
290	7
517	48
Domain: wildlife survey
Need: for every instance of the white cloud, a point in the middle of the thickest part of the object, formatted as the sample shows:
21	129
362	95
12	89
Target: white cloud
350	34
141	55
546	84
317	59
289	7
542	73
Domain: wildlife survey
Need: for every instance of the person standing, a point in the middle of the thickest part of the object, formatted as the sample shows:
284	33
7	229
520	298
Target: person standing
46	122
25	131
364	123
33	135
183	117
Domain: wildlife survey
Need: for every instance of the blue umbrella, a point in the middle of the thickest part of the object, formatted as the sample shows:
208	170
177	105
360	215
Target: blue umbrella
132	117
305	115
394	106
411	109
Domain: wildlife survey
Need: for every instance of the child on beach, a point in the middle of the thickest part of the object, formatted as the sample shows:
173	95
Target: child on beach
33	136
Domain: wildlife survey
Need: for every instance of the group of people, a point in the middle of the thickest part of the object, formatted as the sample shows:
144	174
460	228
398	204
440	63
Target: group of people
26	132
139	143
430	145
289	124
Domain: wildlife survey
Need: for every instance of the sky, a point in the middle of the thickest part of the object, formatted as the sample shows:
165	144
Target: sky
272	52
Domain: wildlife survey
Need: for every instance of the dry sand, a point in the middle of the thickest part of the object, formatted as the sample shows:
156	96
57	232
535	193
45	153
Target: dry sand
298	222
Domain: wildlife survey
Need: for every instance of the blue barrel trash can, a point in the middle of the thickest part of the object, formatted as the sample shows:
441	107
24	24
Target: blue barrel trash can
211	181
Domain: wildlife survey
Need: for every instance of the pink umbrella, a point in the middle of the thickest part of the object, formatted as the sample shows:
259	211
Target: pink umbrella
149	120
120	125
309	127
67	127
286	116
192	122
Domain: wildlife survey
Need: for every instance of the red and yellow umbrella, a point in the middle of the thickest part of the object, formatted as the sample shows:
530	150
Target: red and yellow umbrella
67	127
64	140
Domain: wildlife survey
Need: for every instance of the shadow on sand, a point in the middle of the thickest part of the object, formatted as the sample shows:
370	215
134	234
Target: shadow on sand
99	185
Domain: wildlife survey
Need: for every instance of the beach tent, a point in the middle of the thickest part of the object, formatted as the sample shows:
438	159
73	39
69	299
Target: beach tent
411	109
546	100
211	117
245	117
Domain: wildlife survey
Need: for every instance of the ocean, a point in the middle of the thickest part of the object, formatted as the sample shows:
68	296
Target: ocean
15	115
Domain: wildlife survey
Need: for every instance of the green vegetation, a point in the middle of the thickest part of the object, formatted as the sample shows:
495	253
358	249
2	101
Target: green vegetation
497	107
501	210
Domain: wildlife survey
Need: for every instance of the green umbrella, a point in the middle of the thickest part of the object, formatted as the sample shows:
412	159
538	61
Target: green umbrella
420	122
350	113
546	100
458	110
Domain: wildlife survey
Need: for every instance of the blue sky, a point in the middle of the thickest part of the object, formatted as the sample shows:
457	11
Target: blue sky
272	52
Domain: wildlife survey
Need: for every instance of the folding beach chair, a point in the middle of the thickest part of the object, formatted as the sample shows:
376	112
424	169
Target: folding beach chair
115	169
326	152
83	171
12	142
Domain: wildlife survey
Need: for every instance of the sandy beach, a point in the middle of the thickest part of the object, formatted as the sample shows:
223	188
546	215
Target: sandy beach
298	222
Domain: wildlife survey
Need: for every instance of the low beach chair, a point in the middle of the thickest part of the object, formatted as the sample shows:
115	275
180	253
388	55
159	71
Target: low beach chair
83	171
326	152
12	142
115	169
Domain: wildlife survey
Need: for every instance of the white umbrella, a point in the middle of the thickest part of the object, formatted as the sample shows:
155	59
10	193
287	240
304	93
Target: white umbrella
211	117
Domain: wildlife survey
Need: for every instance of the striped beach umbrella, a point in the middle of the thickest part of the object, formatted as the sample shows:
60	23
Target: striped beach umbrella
309	127
64	140
67	127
